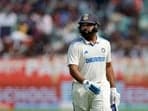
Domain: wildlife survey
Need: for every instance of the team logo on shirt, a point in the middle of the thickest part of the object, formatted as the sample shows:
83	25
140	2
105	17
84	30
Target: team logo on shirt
103	50
86	52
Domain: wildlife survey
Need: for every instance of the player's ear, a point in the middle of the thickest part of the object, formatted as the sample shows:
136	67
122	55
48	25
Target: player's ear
96	28
79	26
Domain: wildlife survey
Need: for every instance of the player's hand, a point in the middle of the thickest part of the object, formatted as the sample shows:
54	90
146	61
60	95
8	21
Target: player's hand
115	97
91	86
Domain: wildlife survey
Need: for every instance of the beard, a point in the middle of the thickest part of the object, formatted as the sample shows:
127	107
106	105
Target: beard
87	34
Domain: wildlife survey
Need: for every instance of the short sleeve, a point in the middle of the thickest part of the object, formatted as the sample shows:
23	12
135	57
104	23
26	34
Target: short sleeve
108	58
73	55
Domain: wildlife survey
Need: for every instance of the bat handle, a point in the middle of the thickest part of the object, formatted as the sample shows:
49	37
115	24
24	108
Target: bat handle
114	107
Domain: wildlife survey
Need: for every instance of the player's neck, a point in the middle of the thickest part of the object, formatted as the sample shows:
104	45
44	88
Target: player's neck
92	39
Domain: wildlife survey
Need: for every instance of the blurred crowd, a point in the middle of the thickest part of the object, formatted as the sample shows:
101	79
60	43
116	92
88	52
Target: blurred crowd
31	28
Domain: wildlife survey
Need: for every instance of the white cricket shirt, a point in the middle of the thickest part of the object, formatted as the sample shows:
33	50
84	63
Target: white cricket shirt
90	58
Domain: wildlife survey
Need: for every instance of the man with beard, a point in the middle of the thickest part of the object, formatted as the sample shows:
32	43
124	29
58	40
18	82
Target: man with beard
89	63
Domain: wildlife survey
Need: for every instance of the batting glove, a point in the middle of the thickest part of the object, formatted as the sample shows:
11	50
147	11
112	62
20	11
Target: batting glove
115	97
91	86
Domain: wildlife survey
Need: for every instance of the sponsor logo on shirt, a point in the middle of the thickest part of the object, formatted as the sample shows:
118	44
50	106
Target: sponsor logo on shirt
95	59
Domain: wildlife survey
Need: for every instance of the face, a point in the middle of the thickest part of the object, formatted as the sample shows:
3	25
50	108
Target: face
87	30
86	27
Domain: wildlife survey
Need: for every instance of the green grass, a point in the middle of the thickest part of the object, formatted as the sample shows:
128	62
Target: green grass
125	109
43	110
121	109
133	110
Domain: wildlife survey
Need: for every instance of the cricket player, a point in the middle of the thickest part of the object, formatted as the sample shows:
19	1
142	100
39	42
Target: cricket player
89	63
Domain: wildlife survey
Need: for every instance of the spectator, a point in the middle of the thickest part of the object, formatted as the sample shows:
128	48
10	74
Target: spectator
47	25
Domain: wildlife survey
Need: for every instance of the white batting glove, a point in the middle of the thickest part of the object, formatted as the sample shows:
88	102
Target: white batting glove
91	86
114	97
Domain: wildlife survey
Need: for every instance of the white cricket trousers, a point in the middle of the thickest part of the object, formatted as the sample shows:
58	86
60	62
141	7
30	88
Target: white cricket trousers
84	100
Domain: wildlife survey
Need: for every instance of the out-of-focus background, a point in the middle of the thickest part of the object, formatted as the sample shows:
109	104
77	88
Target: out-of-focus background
35	34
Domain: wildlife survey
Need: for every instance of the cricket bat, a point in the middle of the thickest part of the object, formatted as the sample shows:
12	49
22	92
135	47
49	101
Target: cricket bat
114	107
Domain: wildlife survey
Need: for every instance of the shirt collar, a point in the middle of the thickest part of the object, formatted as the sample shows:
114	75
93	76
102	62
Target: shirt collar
90	43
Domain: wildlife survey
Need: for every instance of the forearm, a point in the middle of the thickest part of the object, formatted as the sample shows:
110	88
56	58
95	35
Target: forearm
88	85
112	82
110	75
115	96
75	73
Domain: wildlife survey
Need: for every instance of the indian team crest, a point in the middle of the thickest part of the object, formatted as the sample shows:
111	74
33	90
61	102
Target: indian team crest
103	50
85	17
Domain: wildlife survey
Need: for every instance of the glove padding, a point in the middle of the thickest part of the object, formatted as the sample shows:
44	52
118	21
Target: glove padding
91	86
114	97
